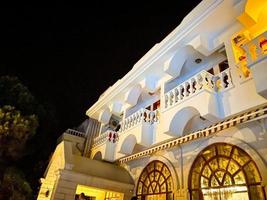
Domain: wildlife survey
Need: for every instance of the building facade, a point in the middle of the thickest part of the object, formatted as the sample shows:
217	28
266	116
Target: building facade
188	121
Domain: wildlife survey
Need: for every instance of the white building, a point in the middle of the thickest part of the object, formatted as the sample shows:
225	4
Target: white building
192	115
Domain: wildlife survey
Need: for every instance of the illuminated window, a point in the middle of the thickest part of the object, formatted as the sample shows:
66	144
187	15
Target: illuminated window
223	171
155	182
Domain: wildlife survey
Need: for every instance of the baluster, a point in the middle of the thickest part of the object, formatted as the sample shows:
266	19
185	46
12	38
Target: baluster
147	115
131	121
127	123
216	82
193	85
176	95
199	81
181	92
186	89
225	80
139	116
152	116
134	119
156	115
171	98
166	100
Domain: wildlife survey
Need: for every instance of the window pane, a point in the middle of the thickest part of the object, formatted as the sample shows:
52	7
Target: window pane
239	178
252	173
224	150
163	188
139	190
233	167
206	171
213	164
204	182
214	182
199	164
219	175
223	162
240	157
159	166
165	172
227	180
195	180
209	153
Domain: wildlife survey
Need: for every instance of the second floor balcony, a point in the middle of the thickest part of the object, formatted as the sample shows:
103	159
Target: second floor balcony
138	129
196	96
103	146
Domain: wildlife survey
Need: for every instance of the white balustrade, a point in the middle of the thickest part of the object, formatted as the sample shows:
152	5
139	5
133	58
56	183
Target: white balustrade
223	80
142	115
256	49
189	87
74	132
108	136
202	80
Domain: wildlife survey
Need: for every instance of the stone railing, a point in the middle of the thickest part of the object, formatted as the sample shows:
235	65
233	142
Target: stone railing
223	80
256	49
76	133
142	115
109	135
202	80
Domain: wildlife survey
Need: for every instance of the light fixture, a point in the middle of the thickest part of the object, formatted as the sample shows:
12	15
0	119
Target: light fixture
198	60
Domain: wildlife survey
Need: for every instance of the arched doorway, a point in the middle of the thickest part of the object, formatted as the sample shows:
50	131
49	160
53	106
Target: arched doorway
98	156
225	172
155	182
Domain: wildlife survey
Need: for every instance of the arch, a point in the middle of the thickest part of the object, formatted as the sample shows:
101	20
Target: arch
181	119
155	179
133	94
98	156
171	167
128	145
223	170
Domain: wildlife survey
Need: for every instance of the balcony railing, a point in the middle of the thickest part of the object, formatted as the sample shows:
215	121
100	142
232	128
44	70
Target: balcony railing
109	135
256	49
76	133
197	83
142	115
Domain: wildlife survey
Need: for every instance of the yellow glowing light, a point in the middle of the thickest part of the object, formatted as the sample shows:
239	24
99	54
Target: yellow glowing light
98	194
254	20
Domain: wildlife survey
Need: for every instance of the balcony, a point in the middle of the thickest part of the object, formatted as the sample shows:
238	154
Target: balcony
105	145
195	96
256	54
138	129
108	136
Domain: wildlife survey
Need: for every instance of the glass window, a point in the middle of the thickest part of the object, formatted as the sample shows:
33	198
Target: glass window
224	170
155	181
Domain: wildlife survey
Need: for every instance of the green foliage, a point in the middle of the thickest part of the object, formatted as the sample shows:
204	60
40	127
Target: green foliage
14	93
13	185
15	130
21	143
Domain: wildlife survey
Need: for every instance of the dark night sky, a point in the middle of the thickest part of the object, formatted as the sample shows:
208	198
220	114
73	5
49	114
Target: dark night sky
68	54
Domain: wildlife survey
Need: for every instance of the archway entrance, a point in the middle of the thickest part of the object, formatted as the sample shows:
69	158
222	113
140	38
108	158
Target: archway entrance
155	182
225	172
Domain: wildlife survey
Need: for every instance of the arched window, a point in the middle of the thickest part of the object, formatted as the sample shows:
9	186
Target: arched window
155	182
224	171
